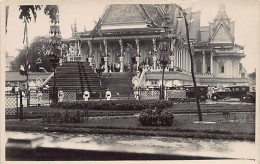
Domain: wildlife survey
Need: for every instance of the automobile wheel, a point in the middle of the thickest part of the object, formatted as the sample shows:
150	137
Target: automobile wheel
243	98
202	98
250	99
214	97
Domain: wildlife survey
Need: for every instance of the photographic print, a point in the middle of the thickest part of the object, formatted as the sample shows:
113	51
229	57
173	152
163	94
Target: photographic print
130	80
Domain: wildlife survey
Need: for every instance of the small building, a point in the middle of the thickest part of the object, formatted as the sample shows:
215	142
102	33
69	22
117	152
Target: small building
35	79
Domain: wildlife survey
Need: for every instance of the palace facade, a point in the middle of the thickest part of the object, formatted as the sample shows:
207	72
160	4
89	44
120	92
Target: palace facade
128	36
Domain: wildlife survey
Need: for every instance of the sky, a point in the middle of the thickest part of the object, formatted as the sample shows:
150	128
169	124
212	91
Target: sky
245	13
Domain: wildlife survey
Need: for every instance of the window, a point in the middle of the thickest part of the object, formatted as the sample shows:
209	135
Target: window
221	68
243	89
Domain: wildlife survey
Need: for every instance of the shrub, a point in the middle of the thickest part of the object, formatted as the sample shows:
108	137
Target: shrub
65	117
123	105
157	117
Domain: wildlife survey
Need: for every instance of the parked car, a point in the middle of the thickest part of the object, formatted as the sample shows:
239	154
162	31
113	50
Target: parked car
250	97
232	92
202	92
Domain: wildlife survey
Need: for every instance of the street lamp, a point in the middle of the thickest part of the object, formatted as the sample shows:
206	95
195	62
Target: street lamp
181	11
54	54
100	70
164	47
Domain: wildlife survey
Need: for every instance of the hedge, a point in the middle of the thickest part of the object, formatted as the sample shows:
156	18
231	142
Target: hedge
123	105
156	117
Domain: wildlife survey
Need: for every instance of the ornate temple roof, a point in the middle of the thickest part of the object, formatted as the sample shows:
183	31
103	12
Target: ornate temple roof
129	19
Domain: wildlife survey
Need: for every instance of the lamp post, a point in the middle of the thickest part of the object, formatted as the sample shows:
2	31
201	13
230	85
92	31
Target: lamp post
191	58
100	70
54	54
164	47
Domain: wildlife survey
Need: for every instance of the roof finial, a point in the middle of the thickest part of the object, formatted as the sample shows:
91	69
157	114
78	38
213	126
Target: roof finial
75	26
222	12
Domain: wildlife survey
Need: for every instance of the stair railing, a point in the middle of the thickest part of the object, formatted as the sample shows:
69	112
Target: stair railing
48	79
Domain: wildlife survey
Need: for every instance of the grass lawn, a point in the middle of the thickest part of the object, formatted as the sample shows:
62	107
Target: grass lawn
236	126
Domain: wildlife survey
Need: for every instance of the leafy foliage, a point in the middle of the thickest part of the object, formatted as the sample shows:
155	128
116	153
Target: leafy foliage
37	49
252	75
52	11
150	117
25	12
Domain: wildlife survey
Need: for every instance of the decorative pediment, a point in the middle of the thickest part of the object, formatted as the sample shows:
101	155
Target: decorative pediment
123	13
222	35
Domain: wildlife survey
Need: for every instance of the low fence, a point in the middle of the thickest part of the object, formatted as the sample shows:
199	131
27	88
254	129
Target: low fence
11	104
154	94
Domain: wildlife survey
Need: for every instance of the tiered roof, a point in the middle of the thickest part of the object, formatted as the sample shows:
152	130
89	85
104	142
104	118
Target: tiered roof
133	19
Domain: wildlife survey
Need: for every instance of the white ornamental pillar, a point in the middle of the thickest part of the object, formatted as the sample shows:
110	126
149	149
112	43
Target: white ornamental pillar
203	62
105	59
211	63
154	62
121	59
187	60
154	44
184	59
90	53
137	47
177	57
172	61
181	58
90	61
137	58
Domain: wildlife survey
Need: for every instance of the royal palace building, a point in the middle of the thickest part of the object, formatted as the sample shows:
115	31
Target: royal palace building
127	36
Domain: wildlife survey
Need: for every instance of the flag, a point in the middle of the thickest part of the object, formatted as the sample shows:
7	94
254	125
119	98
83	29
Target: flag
22	71
6	17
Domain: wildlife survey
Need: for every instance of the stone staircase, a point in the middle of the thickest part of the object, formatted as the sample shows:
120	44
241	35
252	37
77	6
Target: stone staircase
118	84
76	77
79	77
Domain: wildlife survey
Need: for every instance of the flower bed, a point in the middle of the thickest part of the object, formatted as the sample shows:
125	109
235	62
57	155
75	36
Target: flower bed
132	105
157	117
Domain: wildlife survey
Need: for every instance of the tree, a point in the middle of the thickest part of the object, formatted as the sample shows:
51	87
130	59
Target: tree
37	50
252	75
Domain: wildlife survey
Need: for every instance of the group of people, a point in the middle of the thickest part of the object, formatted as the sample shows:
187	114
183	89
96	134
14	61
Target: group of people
114	67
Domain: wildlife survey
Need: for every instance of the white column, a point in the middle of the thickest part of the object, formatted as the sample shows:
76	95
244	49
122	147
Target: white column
181	65
154	62
184	59
154	44
137	47
172	61
90	48
211	63
105	59
137	58
187	60
203	62
121	59
177	56
90	61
